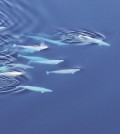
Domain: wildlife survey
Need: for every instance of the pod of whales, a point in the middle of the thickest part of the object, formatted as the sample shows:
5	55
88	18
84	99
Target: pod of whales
65	38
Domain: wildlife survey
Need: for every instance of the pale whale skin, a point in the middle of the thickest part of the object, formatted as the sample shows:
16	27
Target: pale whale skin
34	88
33	58
49	62
33	48
13	65
48	40
64	71
4	69
89	40
12	73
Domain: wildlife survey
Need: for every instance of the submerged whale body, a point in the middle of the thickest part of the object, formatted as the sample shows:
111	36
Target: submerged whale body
56	42
4	68
49	62
13	65
34	58
63	71
34	88
30	88
11	73
82	37
85	40
32	48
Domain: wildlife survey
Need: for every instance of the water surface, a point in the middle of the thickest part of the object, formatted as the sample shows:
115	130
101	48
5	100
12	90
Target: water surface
87	102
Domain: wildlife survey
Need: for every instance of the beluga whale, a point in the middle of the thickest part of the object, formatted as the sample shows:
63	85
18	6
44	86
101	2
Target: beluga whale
49	62
4	68
32	58
34	88
85	40
30	88
64	71
11	73
18	65
81	37
32	48
52	41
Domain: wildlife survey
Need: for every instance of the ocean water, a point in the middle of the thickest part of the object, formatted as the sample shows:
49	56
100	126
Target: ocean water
86	102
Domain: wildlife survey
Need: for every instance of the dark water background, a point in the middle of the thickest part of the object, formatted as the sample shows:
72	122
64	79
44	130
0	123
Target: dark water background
84	103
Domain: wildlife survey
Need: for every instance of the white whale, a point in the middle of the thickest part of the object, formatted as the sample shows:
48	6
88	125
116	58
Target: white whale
33	48
30	88
11	73
50	62
13	65
32	58
88	40
63	71
34	88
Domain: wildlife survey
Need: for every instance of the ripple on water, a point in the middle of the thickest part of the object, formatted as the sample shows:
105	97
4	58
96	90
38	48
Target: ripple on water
7	83
5	59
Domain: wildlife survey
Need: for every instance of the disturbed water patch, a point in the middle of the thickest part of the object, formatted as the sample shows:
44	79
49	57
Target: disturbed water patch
7	83
5	59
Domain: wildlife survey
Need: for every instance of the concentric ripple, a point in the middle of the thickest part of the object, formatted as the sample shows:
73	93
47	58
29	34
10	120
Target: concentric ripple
7	83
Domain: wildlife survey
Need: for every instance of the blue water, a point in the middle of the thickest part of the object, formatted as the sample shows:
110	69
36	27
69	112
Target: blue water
84	103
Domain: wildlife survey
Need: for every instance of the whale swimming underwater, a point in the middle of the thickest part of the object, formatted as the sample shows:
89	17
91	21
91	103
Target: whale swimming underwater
33	58
35	88
13	65
30	88
33	48
49	62
4	68
89	40
56	42
11	73
63	71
